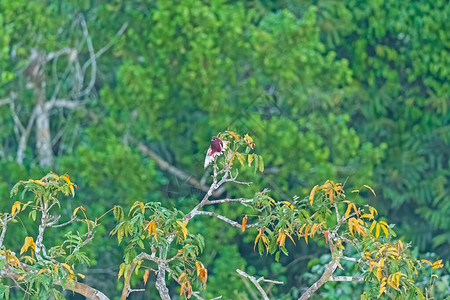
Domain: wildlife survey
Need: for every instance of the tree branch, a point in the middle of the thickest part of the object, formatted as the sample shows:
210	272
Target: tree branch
77	287
63	103
346	278
225	219
324	278
5	101
164	165
256	282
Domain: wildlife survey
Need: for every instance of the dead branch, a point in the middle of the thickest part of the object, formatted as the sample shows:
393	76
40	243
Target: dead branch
256	282
164	165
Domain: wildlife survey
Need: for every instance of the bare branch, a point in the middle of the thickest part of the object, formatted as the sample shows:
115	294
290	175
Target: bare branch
93	63
256	282
346	278
105	48
164	165
324	278
5	101
63	103
225	219
351	259
240	200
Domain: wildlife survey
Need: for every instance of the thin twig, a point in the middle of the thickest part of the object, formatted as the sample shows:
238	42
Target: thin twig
256	282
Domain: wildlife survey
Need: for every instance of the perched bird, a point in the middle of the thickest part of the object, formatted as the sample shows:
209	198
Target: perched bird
215	149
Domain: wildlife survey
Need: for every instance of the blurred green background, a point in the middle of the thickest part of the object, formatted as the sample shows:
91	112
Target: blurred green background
354	91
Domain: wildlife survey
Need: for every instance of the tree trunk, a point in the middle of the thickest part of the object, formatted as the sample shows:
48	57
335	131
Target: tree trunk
43	136
36	74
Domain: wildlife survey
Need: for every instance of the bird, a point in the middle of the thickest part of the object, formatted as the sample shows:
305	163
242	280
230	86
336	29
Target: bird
216	148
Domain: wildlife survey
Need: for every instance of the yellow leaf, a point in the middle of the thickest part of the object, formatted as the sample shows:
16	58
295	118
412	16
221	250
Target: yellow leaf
367	216
67	267
370	189
15	207
288	204
438	262
330	195
42	271
234	135
377	231
21	277
66	179
248	139
349	209
383	223
426	261
384	229
250	158
311	195
355	209
76	210
142	207
198	266
373	225
306	234
399	247
137	203
72	190
183	228
29	242
314	229
244	223
121	270
81	275
437	266
379	274
301	230
350	225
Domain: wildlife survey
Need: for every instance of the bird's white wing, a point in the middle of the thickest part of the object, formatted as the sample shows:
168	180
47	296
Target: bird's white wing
209	158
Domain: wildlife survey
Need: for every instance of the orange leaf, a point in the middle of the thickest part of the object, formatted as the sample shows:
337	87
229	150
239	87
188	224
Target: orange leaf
306	234
290	238
256	240
147	272
182	288
326	236
311	195
244	222
427	262
339	265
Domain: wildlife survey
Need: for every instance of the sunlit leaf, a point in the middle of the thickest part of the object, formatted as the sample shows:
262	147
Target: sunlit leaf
370	189
311	195
29	242
244	223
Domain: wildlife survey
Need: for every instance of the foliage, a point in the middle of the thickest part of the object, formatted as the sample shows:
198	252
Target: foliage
329	89
166	245
42	272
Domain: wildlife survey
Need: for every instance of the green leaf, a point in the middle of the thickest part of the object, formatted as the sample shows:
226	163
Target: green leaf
32	215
